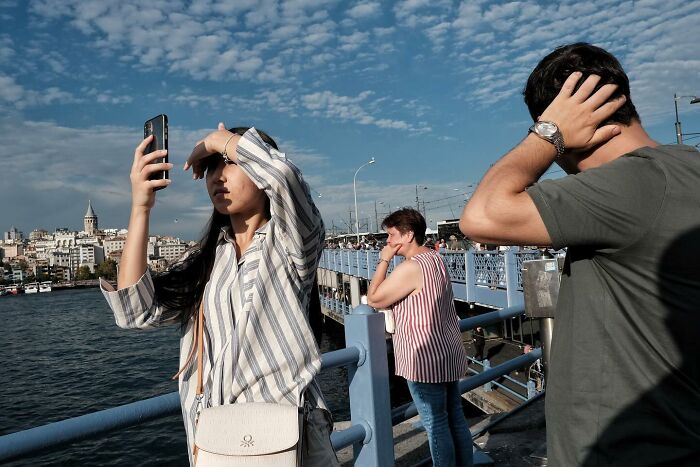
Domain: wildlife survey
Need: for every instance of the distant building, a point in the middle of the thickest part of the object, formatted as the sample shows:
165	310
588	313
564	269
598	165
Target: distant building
113	244
12	251
90	220
43	248
13	235
64	240
59	259
17	275
86	255
157	263
37	234
170	251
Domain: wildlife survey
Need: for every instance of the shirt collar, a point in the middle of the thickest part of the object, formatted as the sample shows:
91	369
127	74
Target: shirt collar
226	236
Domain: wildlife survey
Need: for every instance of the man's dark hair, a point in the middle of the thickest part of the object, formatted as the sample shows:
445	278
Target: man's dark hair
407	220
549	75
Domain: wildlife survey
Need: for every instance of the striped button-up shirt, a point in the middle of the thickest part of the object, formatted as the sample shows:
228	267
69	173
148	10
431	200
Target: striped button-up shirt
258	346
428	344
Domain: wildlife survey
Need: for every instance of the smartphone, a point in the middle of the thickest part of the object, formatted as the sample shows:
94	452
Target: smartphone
158	127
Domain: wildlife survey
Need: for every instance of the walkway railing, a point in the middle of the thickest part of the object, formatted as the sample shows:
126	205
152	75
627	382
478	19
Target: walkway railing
372	418
491	278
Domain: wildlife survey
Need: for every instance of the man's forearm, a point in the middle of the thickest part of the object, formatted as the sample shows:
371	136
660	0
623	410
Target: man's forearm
509	178
516	171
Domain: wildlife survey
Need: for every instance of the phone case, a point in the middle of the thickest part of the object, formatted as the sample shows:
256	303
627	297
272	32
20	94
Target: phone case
157	126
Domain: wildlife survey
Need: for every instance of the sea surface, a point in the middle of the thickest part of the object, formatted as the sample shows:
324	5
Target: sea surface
65	357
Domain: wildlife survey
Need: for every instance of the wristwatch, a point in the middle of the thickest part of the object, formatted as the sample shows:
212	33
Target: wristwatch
549	131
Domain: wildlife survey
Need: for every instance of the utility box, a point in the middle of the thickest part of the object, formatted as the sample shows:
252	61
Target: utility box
541	278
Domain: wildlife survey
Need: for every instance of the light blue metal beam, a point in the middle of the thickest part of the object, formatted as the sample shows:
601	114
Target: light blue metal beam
87	426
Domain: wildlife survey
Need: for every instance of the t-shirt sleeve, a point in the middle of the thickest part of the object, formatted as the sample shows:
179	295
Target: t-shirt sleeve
608	207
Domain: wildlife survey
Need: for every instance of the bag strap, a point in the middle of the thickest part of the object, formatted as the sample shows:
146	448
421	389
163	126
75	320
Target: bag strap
194	347
199	394
200	349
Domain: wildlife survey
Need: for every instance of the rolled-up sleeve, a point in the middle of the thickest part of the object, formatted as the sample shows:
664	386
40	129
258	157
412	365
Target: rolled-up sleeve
291	204
134	307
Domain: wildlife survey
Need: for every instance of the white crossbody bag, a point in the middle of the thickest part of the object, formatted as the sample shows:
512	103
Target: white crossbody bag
246	434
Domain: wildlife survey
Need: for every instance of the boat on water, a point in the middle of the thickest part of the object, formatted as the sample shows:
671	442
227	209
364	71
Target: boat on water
32	287
3	290
45	286
15	289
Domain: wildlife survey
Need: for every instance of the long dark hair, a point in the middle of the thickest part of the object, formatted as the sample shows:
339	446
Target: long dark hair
182	286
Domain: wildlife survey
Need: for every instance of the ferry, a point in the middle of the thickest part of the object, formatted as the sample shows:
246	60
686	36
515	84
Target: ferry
32	287
45	286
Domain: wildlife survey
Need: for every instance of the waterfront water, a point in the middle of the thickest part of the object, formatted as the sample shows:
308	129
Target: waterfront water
65	357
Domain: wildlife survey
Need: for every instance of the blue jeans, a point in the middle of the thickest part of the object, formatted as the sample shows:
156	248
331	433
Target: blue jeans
440	408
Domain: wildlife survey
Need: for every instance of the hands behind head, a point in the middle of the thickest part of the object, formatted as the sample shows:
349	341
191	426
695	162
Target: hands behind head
578	114
220	141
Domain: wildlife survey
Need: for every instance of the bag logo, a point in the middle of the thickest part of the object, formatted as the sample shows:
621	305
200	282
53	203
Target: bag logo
247	441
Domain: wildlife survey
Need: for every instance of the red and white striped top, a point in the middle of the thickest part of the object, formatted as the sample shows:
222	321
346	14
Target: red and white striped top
428	345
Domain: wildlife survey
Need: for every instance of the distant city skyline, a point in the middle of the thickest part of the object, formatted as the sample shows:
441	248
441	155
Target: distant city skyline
431	89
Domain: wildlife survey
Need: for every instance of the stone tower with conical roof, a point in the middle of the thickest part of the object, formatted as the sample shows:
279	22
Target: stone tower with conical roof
90	220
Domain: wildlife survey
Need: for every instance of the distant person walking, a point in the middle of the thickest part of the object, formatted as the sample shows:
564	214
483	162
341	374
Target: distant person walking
428	346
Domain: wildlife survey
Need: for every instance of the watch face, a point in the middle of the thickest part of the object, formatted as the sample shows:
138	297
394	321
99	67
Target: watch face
546	129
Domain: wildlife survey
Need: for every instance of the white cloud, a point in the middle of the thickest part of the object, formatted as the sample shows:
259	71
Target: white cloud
353	41
7	49
346	108
364	10
19	97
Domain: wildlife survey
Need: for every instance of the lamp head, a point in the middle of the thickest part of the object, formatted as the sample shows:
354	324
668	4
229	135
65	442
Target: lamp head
695	100
371	161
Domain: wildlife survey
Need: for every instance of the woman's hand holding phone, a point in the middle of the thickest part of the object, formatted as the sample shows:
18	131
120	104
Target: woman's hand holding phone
142	189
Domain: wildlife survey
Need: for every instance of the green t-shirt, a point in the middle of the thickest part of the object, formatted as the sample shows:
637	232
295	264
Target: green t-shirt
624	381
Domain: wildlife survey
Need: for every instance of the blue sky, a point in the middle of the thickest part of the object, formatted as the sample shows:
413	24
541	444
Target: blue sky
430	88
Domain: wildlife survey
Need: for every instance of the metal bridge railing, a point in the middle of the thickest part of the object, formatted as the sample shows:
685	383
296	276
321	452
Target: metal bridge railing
372	418
491	278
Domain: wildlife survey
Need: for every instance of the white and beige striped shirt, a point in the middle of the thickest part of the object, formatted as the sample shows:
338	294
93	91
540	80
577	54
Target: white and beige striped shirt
258	346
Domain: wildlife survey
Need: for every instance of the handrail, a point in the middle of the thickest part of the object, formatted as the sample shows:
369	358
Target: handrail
74	429
491	317
408	410
340	357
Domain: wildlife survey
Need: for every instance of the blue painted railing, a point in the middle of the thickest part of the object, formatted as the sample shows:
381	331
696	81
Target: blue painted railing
491	278
372	418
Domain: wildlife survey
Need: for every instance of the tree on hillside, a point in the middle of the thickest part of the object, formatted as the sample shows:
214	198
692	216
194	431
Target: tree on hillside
84	273
107	270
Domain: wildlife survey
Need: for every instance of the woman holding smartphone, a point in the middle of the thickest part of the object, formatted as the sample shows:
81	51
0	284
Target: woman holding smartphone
253	272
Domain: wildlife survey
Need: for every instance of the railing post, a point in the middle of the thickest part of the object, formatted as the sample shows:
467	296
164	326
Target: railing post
531	389
369	387
487	386
511	265
470	276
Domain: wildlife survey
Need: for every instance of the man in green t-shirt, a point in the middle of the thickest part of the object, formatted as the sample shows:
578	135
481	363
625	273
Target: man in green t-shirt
624	380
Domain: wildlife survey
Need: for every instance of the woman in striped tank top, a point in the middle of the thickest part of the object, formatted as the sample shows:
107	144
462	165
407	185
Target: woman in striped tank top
428	346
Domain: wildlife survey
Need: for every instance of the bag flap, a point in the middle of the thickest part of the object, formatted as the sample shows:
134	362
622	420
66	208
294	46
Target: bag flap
248	429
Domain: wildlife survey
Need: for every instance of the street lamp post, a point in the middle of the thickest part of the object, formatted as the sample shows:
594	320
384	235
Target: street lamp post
354	190
417	201
679	132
